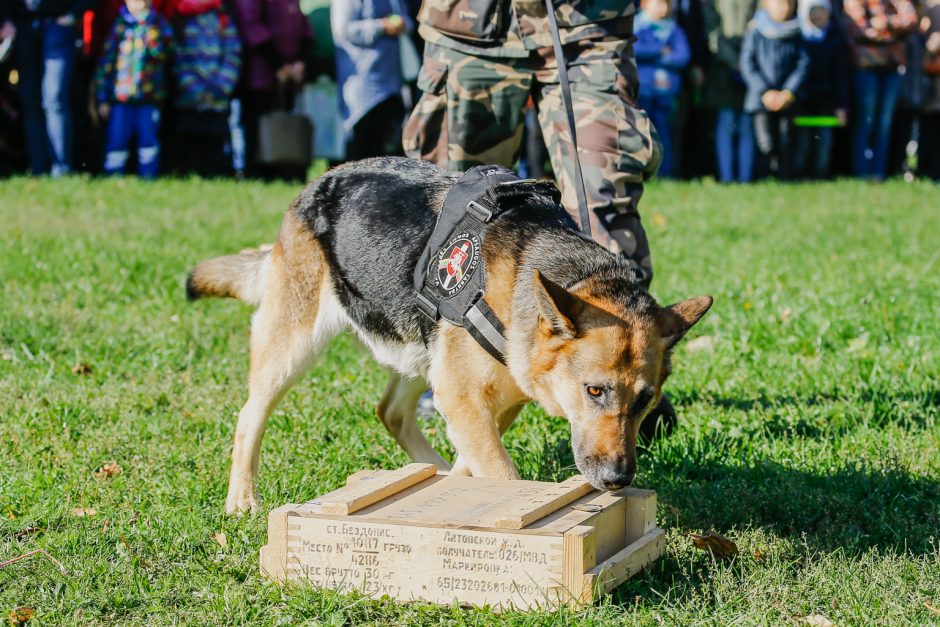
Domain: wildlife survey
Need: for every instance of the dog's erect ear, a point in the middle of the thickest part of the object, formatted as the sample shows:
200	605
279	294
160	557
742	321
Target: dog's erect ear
558	308
676	320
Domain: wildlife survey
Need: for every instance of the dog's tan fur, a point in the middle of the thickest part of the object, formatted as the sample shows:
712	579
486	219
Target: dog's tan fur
577	337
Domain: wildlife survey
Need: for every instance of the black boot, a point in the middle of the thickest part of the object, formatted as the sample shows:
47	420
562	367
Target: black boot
659	422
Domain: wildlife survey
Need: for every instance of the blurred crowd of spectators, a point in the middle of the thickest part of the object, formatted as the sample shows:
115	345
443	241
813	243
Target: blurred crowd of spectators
738	89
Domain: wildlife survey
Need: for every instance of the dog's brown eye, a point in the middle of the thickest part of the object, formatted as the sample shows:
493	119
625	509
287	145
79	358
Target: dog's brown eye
595	391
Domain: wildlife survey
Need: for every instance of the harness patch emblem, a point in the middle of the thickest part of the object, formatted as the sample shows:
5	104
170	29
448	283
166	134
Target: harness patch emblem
456	262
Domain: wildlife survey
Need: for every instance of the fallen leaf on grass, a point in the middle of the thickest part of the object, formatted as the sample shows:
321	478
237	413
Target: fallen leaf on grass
20	615
931	608
84	511
81	369
220	539
759	556
659	220
108	470
715	543
11	515
817	620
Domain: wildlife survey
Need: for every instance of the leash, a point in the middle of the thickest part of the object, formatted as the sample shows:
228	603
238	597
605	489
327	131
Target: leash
569	110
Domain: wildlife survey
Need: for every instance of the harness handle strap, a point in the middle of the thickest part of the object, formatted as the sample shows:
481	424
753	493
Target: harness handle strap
569	110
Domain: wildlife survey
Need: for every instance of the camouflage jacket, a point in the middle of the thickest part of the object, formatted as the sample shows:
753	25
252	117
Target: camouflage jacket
514	27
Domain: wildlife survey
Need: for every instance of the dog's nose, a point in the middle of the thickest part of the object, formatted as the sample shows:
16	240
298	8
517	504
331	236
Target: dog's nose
615	479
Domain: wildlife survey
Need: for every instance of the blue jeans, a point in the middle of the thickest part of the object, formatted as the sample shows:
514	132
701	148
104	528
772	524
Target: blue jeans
876	94
45	58
731	121
660	109
126	123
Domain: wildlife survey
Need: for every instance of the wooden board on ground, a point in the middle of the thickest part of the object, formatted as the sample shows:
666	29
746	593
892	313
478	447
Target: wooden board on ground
415	534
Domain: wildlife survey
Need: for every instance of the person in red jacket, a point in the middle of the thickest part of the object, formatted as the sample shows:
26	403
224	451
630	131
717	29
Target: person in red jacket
276	37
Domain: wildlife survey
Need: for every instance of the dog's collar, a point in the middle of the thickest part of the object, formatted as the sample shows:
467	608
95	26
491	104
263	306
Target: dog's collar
450	277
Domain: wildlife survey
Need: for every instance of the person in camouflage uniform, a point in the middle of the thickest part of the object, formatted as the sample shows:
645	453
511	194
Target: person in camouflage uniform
483	59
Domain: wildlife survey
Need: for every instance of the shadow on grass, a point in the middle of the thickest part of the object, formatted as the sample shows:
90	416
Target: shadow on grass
848	509
914	408
845	511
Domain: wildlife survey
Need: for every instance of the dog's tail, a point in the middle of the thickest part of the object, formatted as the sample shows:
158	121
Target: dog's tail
242	276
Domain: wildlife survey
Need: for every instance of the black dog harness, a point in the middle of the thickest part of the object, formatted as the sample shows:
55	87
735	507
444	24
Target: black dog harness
450	278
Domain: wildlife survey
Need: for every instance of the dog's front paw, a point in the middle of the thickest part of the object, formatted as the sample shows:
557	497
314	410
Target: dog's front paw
241	499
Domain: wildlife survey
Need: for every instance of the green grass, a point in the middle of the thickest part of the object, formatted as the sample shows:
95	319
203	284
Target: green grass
808	432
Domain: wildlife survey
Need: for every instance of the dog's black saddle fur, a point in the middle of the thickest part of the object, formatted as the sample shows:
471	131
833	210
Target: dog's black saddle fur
450	276
374	218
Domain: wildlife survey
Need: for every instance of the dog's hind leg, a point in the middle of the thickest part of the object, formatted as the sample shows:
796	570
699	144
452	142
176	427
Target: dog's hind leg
396	410
298	315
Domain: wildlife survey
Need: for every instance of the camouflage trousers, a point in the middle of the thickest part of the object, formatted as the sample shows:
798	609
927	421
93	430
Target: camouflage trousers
473	108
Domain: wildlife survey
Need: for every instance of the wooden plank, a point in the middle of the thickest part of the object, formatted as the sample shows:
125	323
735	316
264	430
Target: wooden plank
362	474
439	565
641	513
372	489
580	556
274	554
544	503
567	517
609	525
622	565
453	501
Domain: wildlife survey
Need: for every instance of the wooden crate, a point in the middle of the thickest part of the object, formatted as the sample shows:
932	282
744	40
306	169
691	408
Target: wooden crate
413	533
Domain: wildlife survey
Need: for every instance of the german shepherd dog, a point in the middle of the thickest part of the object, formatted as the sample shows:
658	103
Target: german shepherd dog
583	338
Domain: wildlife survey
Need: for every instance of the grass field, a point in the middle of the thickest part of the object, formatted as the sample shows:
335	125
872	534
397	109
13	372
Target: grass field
809	422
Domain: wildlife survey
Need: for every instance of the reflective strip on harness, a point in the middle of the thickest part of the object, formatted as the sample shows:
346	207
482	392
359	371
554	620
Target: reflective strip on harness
487	329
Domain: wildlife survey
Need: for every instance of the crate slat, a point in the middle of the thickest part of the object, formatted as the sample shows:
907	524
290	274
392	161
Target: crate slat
544	503
371	489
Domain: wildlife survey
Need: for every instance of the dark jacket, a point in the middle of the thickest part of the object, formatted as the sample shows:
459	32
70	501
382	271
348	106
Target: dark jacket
725	24
274	32
826	87
772	58
690	16
16	9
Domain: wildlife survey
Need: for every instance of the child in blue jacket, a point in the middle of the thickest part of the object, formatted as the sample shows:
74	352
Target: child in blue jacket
662	51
